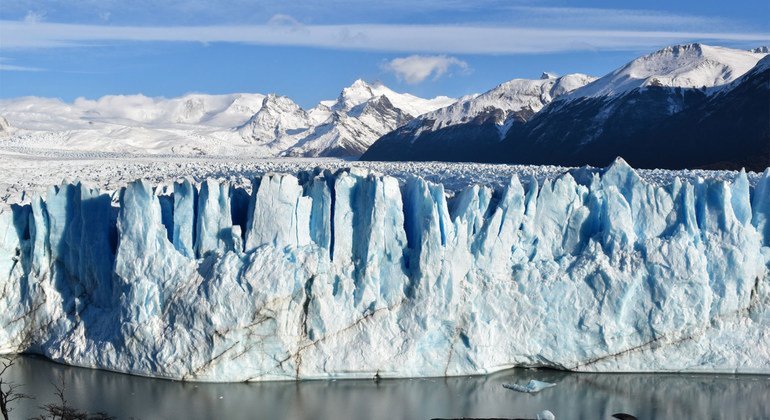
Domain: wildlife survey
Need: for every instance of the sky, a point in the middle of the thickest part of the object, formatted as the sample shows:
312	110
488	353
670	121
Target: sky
309	50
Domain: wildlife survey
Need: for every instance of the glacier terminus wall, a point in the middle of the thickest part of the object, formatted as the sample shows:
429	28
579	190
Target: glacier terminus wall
356	274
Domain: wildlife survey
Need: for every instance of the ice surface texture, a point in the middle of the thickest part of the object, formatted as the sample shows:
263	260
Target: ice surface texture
356	274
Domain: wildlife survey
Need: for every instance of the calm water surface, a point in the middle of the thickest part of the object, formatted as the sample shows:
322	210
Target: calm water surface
576	396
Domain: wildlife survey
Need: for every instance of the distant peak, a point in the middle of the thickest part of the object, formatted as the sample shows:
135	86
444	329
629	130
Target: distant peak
360	84
360	91
274	100
548	75
675	50
274	97
761	50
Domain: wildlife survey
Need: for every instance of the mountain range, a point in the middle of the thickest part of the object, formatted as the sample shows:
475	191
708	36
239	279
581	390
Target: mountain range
684	106
688	106
345	127
199	124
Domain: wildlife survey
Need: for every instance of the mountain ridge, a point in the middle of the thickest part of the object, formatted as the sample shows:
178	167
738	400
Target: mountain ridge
604	119
241	123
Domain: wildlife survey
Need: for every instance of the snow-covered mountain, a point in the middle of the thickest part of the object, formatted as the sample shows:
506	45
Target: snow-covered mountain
346	126
573	111
34	113
276	124
516	99
623	114
685	66
482	119
517	96
189	125
725	126
198	124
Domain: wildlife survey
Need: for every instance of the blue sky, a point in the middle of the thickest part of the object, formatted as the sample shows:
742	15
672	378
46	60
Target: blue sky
309	50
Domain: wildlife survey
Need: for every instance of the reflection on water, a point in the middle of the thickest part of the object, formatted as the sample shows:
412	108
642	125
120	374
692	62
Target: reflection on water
589	396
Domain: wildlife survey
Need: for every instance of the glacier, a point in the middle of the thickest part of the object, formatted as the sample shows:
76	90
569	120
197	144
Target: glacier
355	274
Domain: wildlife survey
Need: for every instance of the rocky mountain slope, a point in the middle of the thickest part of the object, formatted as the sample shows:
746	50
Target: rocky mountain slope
345	127
683	106
478	121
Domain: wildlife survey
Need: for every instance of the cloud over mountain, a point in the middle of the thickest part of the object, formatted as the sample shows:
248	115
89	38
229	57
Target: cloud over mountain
416	68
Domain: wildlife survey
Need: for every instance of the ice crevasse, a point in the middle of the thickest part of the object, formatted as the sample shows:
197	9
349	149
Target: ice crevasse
355	274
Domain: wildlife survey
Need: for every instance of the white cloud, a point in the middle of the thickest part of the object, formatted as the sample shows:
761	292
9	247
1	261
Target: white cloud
11	67
426	39
416	68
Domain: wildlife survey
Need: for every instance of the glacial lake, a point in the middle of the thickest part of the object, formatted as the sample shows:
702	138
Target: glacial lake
575	396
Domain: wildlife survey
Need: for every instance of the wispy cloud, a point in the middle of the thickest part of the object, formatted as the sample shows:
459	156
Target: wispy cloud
193	12
435	39
4	66
416	68
34	17
586	17
285	21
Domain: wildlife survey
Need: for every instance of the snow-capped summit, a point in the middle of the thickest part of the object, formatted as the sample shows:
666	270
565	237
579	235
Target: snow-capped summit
350	133
361	91
761	50
522	97
355	94
679	124
690	66
474	123
361	114
345	127
277	123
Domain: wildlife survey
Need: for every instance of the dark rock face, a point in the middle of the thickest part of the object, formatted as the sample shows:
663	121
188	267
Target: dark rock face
463	142
651	127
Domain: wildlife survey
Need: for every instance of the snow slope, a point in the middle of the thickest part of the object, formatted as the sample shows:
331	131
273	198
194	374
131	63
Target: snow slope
473	124
346	127
688	66
189	125
5	127
652	111
510	97
224	111
197	124
356	274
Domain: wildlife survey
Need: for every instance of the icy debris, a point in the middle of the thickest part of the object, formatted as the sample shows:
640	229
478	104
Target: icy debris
26	171
532	387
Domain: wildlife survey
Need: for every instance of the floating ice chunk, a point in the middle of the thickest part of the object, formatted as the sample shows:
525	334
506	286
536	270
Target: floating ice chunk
545	415
533	386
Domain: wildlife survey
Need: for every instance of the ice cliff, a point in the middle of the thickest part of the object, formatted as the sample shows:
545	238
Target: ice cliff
354	274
